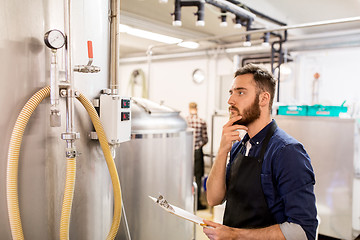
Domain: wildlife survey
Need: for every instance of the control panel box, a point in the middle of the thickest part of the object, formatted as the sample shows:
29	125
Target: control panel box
115	115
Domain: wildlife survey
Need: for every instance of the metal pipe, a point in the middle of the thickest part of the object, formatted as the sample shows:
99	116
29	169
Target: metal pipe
223	18
200	13
212	140
200	4
230	7
69	77
283	28
257	13
262	59
149	61
202	53
195	195
114	45
301	43
127	229
296	26
177	13
280	58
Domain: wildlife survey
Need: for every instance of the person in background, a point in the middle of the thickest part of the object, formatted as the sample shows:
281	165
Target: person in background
268	183
201	138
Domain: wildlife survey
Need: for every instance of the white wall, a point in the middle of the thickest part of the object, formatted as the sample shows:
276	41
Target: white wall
339	75
171	83
339	78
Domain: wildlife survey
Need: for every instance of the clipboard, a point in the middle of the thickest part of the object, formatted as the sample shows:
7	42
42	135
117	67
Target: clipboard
161	202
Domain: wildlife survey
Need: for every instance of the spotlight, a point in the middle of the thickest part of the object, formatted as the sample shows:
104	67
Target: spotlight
200	23
247	43
177	14
223	22
200	13
266	39
177	23
200	4
238	23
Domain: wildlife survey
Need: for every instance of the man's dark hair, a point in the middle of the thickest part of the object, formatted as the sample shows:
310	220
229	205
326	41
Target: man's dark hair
263	79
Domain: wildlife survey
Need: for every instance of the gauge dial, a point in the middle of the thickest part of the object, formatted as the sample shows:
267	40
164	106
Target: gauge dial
54	39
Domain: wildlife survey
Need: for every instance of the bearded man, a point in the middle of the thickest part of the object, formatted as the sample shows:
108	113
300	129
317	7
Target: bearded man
268	183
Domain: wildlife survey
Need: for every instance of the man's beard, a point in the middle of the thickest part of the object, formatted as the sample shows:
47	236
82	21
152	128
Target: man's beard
250	114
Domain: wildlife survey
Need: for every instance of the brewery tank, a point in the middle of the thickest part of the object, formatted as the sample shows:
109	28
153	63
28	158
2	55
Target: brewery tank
157	160
25	68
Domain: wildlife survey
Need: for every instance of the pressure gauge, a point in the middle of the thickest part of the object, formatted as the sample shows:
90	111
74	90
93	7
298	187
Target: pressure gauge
54	39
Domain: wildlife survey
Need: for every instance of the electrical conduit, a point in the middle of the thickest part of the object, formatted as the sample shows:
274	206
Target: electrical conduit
13	163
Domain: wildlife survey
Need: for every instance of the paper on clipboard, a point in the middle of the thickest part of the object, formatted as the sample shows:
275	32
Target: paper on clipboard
181	213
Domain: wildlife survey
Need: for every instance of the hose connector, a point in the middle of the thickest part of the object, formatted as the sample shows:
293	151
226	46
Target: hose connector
70	136
71	153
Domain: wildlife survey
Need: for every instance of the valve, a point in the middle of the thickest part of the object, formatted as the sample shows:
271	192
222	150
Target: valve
89	68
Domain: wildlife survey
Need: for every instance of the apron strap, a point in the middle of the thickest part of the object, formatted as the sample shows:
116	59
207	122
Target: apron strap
267	139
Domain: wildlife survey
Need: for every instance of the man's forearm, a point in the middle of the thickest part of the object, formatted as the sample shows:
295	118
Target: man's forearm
270	233
222	232
216	181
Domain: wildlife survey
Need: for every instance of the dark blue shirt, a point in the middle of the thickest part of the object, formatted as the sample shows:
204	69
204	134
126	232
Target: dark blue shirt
287	178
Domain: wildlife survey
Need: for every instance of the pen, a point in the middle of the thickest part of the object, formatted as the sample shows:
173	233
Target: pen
205	225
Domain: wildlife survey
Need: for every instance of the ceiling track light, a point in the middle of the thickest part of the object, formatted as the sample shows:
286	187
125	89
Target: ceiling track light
244	14
243	17
200	4
238	22
223	22
247	43
266	38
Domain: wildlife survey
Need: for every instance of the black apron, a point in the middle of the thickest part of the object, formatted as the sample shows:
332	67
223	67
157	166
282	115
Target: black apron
246	205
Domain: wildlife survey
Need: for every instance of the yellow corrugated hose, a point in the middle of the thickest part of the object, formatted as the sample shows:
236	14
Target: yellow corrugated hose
68	198
110	162
12	170
13	161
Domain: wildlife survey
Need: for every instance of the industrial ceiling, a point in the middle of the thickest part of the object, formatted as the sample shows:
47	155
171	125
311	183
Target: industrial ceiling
156	16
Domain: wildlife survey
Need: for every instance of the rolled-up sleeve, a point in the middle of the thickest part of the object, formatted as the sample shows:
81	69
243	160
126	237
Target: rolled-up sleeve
292	231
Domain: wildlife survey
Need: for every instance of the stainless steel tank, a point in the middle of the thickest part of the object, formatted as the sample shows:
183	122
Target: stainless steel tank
24	69
158	159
